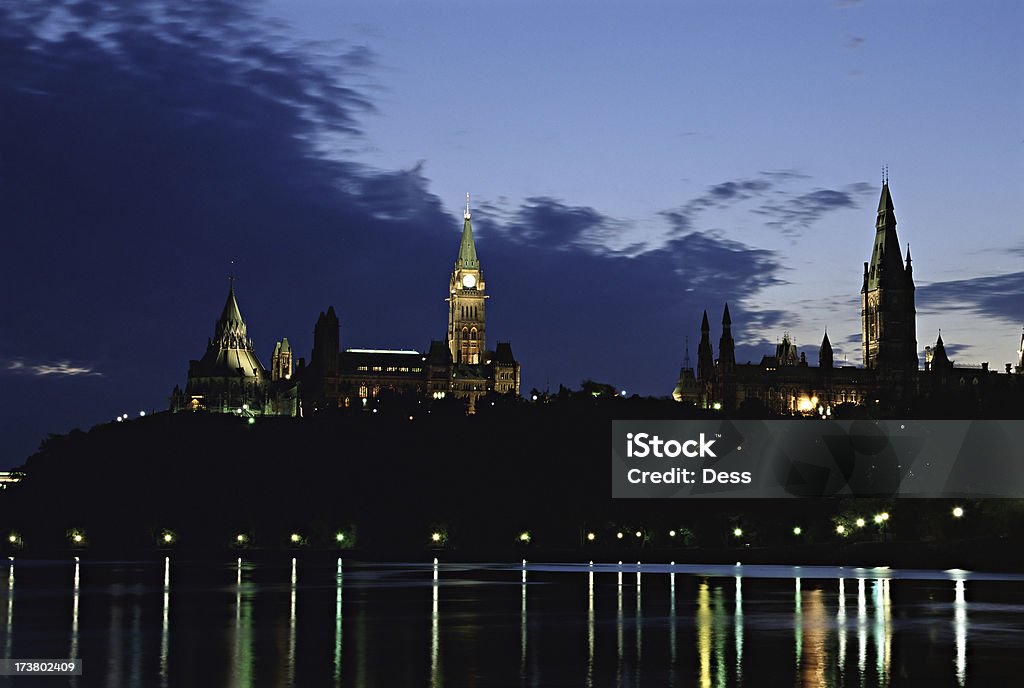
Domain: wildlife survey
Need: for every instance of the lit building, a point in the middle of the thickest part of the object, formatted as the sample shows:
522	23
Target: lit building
229	376
891	375
461	368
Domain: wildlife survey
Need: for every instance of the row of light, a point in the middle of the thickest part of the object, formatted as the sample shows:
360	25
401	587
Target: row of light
124	416
438	537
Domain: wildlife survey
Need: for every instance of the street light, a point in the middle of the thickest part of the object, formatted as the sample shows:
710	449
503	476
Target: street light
591	537
524	536
797	530
841	529
737	532
296	538
435	537
671	533
860	522
958	512
339	537
619	535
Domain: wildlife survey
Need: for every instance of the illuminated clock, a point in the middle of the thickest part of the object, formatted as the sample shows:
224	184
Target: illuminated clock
468	281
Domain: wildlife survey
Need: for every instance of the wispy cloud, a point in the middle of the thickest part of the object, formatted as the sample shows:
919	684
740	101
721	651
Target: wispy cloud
782	208
49	369
994	296
793	214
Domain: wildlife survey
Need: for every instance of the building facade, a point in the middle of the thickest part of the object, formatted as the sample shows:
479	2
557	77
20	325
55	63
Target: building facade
891	374
461	367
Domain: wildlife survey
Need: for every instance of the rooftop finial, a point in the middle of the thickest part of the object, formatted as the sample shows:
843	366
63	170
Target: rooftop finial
231	275
467	205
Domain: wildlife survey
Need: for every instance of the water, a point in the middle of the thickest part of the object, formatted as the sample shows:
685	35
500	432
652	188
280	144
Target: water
306	622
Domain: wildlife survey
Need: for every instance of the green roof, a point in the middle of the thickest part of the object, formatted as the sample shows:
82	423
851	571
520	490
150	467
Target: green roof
467	249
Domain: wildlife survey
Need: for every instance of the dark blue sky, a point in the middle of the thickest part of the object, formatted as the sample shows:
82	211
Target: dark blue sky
629	169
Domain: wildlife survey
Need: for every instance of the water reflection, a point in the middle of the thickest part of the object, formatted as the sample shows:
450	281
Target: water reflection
590	626
8	637
841	625
165	627
73	652
717	640
435	650
960	632
242	638
291	625
522	625
738	629
862	626
639	623
337	625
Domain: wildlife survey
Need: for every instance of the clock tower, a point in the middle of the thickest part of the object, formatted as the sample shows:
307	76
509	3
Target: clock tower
466	297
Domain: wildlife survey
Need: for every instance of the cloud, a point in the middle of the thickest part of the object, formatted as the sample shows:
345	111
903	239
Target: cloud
53	369
855	42
793	214
549	223
785	210
995	296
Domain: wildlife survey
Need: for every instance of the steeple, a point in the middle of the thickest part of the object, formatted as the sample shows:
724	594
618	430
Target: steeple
726	345
940	360
467	248
825	352
888	314
467	340
705	362
230	331
886	266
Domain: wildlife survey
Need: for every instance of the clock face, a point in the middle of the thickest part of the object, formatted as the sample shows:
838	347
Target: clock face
468	281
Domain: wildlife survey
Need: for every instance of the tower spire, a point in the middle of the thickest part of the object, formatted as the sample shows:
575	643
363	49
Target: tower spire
467	247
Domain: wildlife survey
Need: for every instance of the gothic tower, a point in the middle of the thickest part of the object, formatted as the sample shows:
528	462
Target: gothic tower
825	357
726	345
466	338
888	315
229	376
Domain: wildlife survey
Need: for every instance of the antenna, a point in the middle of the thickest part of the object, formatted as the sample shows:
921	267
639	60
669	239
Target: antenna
467	205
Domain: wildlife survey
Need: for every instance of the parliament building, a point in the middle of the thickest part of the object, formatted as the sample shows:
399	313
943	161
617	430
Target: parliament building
891	375
460	370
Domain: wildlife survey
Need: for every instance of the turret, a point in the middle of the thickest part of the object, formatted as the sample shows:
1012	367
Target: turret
825	353
726	345
705	362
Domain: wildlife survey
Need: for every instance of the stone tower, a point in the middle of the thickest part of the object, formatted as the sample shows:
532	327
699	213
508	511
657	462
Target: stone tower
466	334
888	315
229	376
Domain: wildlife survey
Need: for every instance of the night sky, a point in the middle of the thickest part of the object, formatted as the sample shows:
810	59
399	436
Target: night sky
630	165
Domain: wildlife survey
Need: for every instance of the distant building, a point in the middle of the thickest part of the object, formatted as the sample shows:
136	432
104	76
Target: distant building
8	478
462	367
786	383
229	376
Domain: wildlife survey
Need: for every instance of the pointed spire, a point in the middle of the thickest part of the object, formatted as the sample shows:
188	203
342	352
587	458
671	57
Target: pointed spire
231	314
467	247
726	320
704	325
940	359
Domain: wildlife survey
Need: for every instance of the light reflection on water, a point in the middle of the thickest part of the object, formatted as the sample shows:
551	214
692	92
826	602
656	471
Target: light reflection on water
676	627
